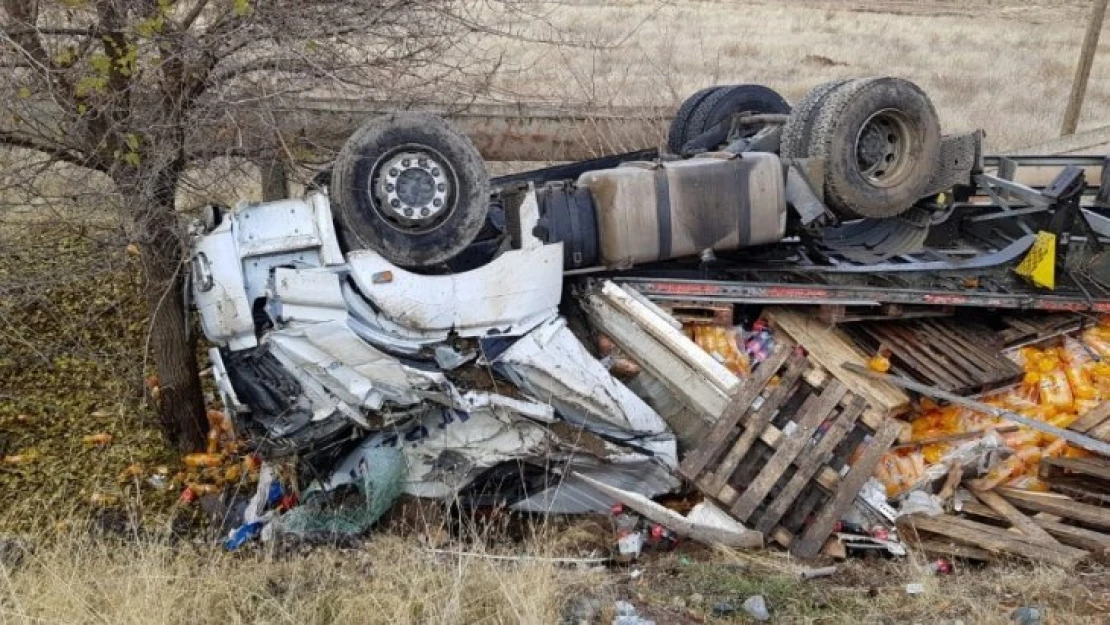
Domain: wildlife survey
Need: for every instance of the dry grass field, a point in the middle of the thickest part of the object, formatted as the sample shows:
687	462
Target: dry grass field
393	580
1004	66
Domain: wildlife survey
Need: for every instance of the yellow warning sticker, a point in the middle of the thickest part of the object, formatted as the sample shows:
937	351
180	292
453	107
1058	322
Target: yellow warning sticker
1039	265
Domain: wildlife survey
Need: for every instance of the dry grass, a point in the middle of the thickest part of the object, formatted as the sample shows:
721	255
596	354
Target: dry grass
81	580
78	579
871	591
1005	66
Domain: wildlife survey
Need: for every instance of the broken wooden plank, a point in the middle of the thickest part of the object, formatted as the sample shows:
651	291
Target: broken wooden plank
954	550
1079	489
1059	505
1097	416
1088	540
993	539
1086	442
1094	467
951	481
952	438
807	422
814	458
1022	523
1101	431
860	472
652	511
830	348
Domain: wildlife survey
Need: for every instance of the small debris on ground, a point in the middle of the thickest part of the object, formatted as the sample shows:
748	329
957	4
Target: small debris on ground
756	607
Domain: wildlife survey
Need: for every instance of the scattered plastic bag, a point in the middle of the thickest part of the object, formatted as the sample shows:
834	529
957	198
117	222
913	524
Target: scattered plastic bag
352	508
923	502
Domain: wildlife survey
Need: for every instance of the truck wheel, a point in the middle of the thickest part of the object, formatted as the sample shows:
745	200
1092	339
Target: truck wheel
796	131
880	138
676	136
719	105
411	188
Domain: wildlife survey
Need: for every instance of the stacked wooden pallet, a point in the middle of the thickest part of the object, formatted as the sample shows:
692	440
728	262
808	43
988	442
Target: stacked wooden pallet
791	451
954	356
1029	328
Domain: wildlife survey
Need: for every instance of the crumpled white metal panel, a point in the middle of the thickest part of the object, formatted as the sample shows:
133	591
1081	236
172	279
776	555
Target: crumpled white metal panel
510	295
552	365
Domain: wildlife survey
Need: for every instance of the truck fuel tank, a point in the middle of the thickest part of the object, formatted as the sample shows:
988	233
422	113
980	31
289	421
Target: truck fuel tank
655	211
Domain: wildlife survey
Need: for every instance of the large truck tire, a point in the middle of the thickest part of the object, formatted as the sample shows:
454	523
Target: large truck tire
411	188
718	105
796	131
880	140
676	135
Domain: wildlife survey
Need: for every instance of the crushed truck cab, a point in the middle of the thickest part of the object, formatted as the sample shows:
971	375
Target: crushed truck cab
318	347
278	262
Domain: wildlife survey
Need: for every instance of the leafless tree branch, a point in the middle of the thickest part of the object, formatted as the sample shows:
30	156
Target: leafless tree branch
54	151
191	17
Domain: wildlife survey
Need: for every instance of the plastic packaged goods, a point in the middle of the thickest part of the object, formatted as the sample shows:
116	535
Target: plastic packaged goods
900	471
879	363
1062	382
1077	367
1053	387
760	343
1098	340
202	460
720	342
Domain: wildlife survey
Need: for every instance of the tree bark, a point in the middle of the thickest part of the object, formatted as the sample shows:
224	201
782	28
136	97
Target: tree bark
275	180
181	405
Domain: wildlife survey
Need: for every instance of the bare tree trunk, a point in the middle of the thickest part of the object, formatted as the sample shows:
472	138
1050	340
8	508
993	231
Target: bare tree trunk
275	180
181	407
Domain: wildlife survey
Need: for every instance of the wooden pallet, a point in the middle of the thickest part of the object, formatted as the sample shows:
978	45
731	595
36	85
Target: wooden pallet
951	355
1005	530
699	312
1084	479
839	313
830	348
777	457
1033	327
1095	423
1096	543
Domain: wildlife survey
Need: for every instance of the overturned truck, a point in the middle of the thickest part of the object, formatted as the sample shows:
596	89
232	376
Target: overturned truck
410	302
